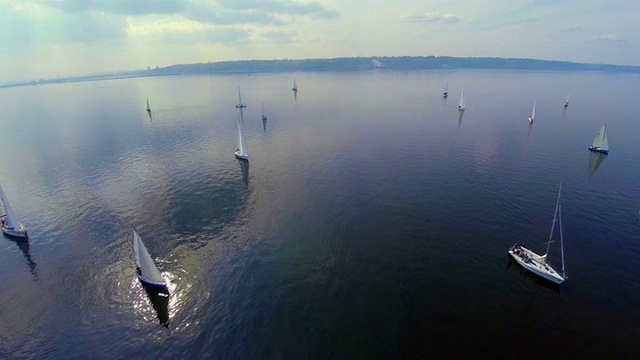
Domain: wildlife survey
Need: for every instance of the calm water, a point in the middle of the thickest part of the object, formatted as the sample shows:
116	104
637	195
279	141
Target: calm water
371	222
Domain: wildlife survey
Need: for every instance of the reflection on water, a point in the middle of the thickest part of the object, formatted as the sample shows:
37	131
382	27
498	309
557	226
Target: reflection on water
595	160
244	167
24	246
264	124
150	116
531	278
160	300
342	232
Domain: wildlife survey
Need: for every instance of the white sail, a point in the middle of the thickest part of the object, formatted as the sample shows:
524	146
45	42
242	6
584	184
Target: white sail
600	141
241	145
295	87
147	268
12	220
148	107
533	112
567	102
461	106
240	104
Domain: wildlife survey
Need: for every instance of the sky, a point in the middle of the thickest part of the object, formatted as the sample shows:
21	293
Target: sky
61	38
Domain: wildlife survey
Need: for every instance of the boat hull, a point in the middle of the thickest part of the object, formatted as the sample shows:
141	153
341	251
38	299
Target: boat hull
595	149
20	232
239	156
534	263
147	282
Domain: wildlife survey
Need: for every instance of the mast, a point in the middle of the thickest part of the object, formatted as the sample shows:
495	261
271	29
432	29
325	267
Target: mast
553	224
561	240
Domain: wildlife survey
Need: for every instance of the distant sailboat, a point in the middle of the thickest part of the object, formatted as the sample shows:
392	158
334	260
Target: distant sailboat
295	87
240	104
264	118
533	112
9	222
566	103
461	106
445	94
539	264
241	151
146	270
600	143
148	106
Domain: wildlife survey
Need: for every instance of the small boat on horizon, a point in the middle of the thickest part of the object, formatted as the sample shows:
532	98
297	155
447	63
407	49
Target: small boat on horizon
264	118
600	143
295	86
148	106
539	264
566	103
533	112
9	222
445	94
146	270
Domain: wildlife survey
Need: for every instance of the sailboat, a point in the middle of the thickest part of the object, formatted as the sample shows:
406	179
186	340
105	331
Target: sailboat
295	87
264	118
145	268
9	222
533	112
445	94
148	107
240	104
539	264
461	106
600	143
566	103
241	151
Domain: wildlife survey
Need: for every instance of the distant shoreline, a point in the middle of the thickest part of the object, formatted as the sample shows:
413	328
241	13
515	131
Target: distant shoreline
403	63
77	80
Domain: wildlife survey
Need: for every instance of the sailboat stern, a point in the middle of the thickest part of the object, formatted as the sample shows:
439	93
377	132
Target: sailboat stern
17	232
150	283
598	149
241	156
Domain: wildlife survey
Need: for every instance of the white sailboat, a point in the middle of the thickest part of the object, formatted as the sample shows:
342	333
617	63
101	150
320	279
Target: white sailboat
445	94
533	112
9	222
600	143
566	103
539	264
264	118
148	107
461	106
295	87
241	151
146	270
240	104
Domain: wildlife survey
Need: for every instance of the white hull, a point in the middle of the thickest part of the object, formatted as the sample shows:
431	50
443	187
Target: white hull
20	232
535	264
241	157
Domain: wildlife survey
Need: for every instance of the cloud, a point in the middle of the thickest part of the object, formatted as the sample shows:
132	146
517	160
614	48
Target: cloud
120	7
278	36
181	30
430	17
608	37
571	28
28	25
287	7
211	13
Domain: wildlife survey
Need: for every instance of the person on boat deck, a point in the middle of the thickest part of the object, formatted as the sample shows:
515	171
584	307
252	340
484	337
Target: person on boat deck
3	222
